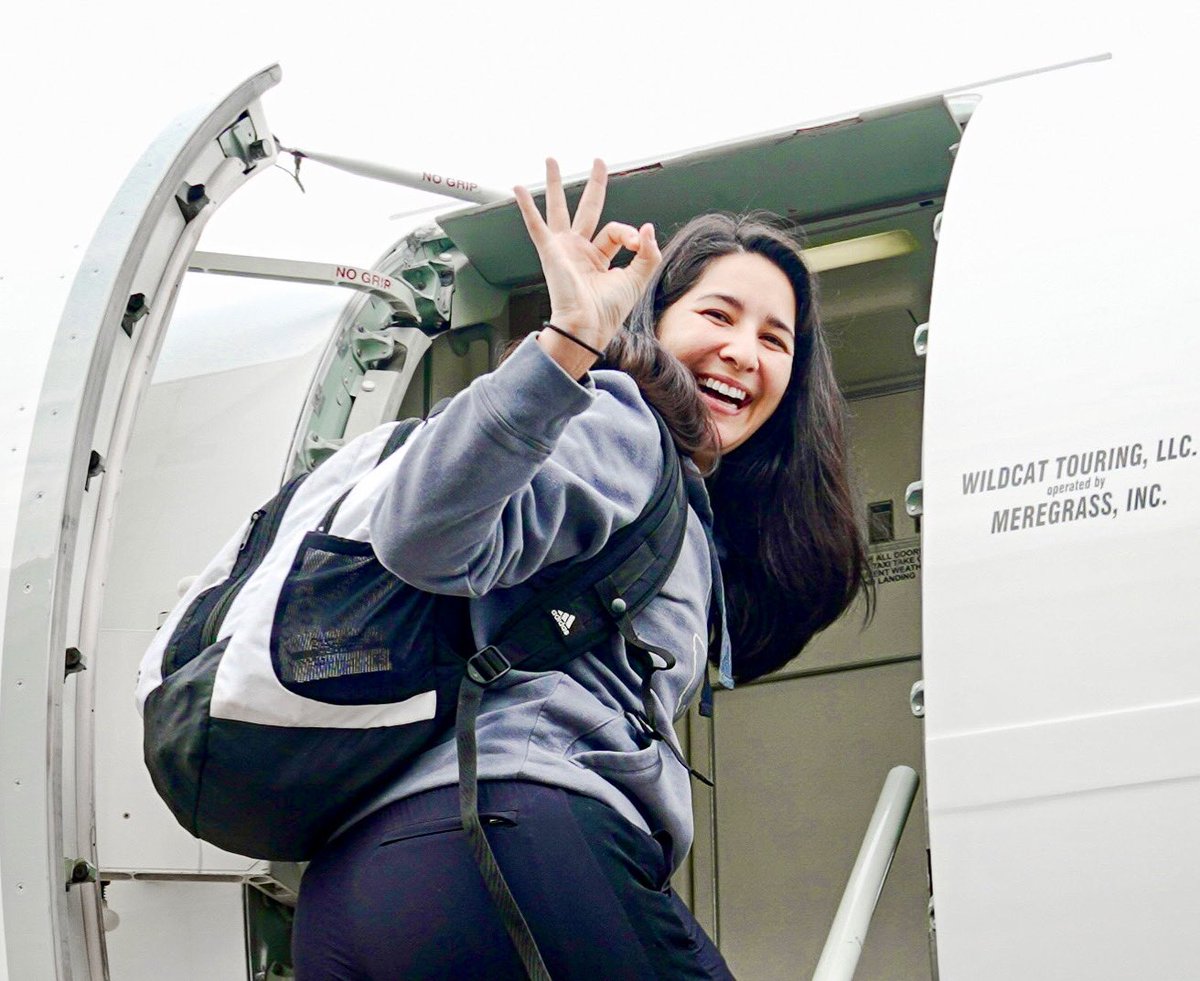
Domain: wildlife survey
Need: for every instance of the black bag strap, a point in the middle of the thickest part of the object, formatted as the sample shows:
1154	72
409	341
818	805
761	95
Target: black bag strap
573	607
717	639
573	612
642	654
398	438
470	694
395	440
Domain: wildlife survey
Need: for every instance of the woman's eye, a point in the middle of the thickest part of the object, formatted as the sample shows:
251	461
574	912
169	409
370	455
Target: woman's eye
718	315
776	341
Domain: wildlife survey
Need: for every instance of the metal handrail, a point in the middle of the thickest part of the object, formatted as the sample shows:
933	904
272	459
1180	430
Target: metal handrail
844	945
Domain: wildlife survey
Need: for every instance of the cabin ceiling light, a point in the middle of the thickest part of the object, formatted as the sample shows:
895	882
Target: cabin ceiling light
854	251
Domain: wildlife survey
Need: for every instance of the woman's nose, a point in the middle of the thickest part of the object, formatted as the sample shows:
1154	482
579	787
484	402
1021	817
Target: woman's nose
741	349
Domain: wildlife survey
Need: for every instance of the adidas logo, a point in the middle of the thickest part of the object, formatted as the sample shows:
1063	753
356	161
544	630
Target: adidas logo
564	621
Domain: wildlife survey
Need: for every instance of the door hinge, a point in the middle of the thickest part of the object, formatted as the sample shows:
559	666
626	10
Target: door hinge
79	871
74	662
95	469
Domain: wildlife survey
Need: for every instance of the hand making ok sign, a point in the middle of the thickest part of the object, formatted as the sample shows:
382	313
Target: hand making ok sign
588	298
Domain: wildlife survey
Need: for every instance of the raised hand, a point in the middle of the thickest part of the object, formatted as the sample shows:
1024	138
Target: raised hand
588	298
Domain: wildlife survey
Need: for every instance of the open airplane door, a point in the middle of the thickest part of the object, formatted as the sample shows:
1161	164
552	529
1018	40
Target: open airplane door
1061	470
99	368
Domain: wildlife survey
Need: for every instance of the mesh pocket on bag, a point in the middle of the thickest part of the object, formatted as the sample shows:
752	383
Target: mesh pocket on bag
349	632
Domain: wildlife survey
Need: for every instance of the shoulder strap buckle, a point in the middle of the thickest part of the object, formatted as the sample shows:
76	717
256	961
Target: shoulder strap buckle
487	665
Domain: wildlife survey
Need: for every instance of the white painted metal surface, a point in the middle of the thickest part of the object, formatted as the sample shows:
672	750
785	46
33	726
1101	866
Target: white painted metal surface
56	537
788	831
1061	485
206	451
167	930
853	919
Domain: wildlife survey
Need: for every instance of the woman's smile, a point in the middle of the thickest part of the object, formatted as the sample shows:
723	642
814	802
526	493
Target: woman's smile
722	394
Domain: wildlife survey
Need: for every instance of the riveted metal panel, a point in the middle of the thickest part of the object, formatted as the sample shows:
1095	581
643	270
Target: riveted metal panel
99	364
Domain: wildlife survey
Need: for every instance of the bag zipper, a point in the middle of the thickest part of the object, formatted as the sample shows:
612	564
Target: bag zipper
252	550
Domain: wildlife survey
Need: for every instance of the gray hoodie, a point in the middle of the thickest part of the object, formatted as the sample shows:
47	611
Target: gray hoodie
528	467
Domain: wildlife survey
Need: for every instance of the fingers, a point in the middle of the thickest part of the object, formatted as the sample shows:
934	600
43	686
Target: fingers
557	217
613	237
534	224
648	256
591	203
610	240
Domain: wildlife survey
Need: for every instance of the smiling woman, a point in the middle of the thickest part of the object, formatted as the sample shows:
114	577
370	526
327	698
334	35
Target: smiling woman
734	331
545	464
735	304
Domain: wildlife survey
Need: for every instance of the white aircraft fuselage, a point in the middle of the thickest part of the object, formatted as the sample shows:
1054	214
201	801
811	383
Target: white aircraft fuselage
1007	278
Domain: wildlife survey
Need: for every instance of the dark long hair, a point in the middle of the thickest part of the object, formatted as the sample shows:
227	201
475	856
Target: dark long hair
793	556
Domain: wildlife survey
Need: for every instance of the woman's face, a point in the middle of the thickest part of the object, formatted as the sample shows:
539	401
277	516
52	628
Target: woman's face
736	330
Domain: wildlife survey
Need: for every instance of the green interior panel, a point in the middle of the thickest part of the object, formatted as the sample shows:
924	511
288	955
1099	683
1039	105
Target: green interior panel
853	165
871	310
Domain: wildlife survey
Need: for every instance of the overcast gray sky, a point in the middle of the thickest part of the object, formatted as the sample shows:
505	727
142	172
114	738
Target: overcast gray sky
487	89
478	89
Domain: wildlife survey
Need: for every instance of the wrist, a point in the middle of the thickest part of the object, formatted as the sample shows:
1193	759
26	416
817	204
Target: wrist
572	358
573	337
578	325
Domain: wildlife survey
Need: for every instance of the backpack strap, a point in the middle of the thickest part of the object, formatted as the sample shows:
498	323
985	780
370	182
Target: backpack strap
572	607
568	613
469	696
397	438
719	651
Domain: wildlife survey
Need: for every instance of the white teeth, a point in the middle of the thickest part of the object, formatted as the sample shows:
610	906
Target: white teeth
727	390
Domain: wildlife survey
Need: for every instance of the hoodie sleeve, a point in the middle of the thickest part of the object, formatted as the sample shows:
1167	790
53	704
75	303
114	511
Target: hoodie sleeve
524	468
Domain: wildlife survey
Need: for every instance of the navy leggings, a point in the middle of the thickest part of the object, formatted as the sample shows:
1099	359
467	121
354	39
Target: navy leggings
398	896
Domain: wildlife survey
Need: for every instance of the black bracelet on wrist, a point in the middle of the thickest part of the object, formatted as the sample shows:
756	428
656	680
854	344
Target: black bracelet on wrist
571	337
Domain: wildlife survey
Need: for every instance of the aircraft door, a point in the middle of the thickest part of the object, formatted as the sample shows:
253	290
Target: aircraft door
101	363
1060	487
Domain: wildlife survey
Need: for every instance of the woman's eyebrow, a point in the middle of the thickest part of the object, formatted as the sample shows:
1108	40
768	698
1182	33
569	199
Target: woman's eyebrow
740	307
